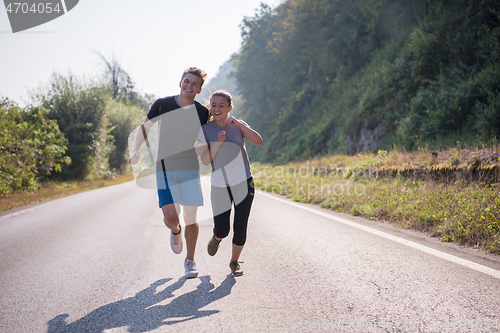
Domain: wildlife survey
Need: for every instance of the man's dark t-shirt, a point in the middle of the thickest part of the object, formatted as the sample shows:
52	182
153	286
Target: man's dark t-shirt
178	131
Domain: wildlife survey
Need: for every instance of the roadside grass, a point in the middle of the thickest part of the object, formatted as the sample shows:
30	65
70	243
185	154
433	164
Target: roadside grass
457	205
50	190
462	206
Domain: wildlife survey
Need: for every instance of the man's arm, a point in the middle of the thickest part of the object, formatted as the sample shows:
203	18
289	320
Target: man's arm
208	156
200	147
140	139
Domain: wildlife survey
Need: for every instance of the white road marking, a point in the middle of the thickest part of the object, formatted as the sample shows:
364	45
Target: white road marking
466	263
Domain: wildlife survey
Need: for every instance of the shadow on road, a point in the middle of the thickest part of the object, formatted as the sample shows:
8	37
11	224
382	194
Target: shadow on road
141	314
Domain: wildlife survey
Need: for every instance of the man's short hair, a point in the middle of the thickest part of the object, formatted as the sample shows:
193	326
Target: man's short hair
195	71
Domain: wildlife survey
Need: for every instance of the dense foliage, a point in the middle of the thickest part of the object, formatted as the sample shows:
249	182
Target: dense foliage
124	117
80	111
95	124
87	120
319	76
31	146
314	77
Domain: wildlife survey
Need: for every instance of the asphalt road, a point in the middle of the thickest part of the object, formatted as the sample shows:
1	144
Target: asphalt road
100	261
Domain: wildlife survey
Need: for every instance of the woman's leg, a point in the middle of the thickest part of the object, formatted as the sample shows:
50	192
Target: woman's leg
240	224
235	256
221	211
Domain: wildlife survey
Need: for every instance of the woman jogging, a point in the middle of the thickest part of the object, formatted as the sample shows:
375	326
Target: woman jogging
231	180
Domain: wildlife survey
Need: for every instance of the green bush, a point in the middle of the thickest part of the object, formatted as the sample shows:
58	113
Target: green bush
31	147
80	110
123	118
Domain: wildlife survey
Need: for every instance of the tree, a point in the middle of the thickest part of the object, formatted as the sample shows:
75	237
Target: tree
119	80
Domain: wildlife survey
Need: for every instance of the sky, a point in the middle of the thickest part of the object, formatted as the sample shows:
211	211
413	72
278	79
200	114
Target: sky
153	40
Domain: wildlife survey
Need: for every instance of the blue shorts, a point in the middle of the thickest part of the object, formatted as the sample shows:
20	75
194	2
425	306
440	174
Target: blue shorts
182	187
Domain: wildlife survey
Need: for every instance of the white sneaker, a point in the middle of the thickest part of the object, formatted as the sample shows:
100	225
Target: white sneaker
190	269
176	242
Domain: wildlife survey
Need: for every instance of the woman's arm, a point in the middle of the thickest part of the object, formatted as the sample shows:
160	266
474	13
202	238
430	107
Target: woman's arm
249	133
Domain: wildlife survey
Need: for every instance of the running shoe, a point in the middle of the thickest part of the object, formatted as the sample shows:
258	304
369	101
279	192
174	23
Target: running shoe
235	268
176	242
190	269
213	246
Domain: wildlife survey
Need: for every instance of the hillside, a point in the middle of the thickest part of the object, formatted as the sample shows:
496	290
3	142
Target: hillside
320	77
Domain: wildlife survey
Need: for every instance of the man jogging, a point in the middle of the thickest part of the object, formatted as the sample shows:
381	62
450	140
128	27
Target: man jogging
179	120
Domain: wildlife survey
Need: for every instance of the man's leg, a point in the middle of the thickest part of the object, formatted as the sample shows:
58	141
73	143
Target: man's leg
171	217
167	203
192	230
171	220
192	198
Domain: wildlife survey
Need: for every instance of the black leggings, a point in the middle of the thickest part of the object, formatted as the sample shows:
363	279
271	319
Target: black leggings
222	200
